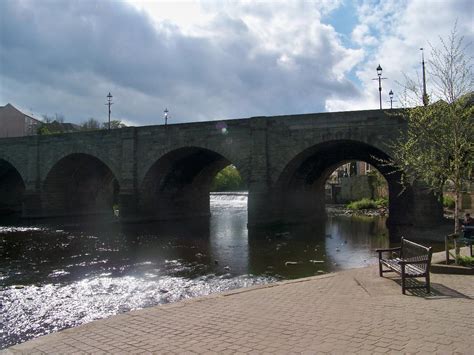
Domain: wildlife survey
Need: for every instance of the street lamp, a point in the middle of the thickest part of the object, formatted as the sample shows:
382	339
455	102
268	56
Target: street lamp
425	98
166	116
390	94
109	103
379	73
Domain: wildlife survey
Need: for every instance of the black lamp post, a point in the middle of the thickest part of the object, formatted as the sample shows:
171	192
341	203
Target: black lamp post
390	94
166	116
109	103
379	74
425	98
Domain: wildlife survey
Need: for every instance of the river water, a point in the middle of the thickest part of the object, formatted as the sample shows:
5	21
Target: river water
59	275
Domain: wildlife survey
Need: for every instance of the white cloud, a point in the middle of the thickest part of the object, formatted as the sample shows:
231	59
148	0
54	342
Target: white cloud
207	59
391	34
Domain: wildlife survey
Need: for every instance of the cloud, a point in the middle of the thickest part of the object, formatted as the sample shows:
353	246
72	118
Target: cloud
206	60
392	33
247	59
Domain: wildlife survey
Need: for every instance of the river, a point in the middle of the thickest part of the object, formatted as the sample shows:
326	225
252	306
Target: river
55	275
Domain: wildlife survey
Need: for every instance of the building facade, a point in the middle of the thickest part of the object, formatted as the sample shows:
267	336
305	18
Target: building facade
14	123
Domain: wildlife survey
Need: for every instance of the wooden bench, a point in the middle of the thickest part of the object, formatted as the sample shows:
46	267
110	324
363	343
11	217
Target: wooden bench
467	237
411	260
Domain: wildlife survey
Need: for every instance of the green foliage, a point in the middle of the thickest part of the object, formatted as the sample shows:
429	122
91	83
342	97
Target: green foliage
448	201
367	203
114	124
378	183
50	125
228	179
46	128
438	146
93	125
381	202
465	260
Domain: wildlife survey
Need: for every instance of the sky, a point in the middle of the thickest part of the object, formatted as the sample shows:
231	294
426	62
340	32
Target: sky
213	60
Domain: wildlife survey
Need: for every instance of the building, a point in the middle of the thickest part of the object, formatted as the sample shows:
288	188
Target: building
14	123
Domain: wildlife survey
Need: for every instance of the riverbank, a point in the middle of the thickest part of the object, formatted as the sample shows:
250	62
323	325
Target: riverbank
342	210
425	234
352	311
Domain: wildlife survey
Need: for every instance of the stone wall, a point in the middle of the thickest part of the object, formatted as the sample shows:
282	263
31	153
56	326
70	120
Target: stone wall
355	188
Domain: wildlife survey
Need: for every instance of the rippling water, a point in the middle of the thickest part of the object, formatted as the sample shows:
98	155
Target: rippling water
54	276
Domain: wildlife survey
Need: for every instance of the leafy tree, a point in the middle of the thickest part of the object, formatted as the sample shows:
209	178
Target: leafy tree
50	124
114	124
438	147
43	130
228	179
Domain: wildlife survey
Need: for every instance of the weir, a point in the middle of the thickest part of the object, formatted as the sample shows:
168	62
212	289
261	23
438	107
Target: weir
165	172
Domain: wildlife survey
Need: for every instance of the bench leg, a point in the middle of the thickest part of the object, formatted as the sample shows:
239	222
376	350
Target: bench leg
380	269
403	279
428	290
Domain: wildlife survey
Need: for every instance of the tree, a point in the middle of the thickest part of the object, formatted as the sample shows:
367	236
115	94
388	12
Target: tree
228	179
90	125
50	124
114	124
438	147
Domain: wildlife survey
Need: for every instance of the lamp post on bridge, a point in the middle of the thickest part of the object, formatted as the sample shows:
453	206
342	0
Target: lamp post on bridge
379	73
109	103
390	94
425	98
166	116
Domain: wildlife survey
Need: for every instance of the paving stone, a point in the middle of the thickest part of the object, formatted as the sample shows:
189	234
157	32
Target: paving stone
330	314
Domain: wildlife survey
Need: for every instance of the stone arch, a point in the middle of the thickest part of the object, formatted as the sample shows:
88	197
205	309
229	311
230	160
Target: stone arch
177	184
12	188
67	151
79	184
239	160
302	180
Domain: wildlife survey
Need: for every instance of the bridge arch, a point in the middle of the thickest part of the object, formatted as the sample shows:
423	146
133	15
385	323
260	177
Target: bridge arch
54	157
12	188
302	181
79	184
177	184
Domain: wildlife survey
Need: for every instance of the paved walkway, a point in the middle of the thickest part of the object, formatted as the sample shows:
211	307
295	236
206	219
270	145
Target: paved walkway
353	311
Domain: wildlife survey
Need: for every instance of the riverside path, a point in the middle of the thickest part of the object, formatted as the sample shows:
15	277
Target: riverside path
353	311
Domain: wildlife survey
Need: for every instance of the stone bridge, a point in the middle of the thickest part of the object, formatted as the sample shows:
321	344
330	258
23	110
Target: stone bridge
164	172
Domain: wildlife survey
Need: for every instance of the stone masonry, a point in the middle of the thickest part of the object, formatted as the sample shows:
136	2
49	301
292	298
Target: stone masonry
164	172
349	312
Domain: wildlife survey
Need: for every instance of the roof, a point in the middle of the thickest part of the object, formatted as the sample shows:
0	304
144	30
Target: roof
9	109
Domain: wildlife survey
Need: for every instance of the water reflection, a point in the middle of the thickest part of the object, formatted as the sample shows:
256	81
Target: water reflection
56	275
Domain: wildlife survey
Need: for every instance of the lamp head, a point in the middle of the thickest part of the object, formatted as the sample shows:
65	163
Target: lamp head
379	70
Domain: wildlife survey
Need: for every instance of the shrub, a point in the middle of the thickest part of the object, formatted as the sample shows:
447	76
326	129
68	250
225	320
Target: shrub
465	260
448	201
367	203
363	204
381	202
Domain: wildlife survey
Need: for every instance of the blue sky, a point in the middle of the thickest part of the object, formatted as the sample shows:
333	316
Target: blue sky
212	60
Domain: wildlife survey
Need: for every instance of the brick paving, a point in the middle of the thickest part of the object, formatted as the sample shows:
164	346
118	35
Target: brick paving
353	311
